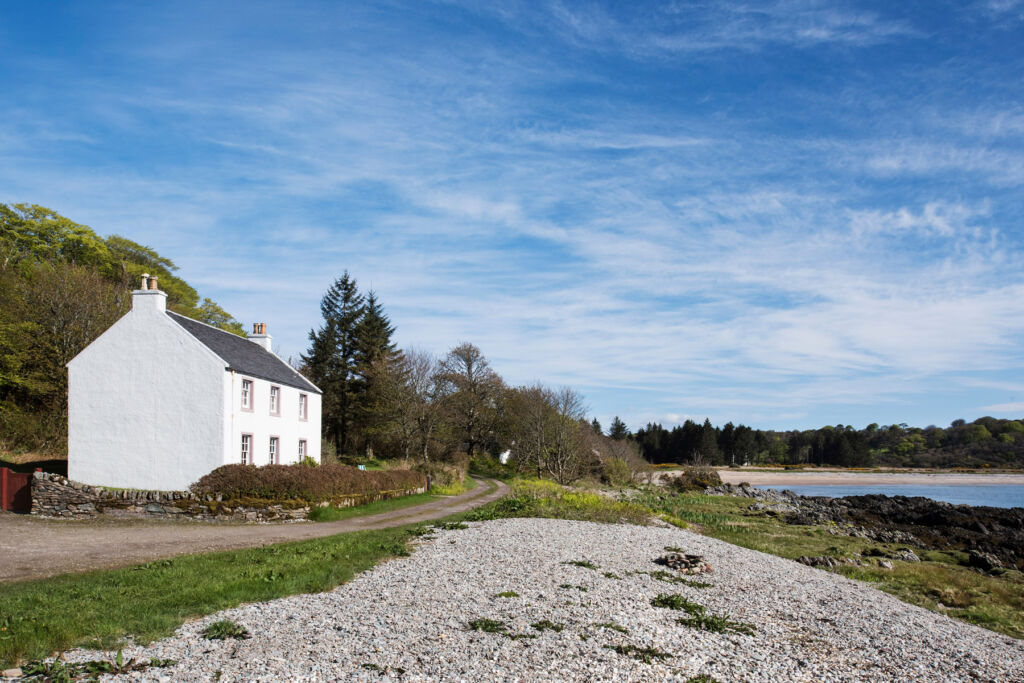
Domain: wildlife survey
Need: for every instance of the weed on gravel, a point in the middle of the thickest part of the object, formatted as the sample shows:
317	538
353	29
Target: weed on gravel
488	626
669	577
451	526
716	624
586	564
612	575
645	654
507	594
59	671
702	678
613	626
545	625
569	586
224	629
676	602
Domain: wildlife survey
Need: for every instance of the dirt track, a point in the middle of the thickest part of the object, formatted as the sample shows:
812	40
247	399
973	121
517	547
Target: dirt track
32	548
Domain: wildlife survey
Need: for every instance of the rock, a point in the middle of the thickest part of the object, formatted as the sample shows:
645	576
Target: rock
983	561
11	673
906	554
885	564
687	564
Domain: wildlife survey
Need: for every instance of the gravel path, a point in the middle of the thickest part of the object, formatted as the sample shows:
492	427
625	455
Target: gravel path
406	620
32	548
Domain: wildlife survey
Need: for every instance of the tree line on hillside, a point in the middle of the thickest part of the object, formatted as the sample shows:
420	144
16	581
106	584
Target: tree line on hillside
986	442
61	286
453	409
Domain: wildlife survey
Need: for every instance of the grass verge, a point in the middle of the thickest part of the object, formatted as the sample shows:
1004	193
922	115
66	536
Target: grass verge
100	609
329	513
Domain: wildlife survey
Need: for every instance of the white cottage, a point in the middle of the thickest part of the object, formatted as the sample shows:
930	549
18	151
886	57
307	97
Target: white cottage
159	400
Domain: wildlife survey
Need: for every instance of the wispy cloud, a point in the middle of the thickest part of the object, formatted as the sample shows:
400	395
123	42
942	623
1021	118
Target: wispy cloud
560	186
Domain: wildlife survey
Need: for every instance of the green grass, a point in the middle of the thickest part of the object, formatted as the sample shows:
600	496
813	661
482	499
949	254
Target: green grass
100	609
940	582
468	484
507	594
535	498
330	513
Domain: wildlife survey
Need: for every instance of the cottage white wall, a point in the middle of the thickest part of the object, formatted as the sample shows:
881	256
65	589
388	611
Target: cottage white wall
261	424
145	404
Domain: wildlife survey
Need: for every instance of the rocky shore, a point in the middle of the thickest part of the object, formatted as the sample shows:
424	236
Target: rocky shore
553	600
993	537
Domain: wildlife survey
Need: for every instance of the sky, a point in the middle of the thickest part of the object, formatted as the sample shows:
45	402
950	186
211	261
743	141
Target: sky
786	214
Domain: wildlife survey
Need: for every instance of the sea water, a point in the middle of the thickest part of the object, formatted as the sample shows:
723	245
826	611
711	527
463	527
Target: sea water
994	495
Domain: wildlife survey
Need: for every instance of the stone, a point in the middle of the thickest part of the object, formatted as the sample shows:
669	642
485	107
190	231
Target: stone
11	673
885	564
906	554
983	561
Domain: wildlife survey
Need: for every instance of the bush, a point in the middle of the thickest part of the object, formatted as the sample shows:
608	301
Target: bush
489	466
695	479
441	474
311	484
616	472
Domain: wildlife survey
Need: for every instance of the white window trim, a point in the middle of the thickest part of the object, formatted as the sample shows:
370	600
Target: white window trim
275	400
248	399
247	457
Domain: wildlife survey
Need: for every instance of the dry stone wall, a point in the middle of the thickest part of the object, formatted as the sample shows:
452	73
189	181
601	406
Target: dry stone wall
56	496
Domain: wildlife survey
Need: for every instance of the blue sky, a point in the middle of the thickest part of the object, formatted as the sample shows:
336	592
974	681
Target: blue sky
784	213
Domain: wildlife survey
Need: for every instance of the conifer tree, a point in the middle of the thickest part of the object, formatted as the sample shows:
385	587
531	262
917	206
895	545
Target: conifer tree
618	430
331	360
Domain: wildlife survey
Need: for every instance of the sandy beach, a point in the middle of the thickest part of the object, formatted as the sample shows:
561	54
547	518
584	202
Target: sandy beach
833	477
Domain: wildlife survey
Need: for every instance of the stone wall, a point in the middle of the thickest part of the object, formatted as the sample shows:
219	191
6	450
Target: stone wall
56	496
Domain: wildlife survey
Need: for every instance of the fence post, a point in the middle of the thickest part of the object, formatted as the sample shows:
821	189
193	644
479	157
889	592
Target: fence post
3	488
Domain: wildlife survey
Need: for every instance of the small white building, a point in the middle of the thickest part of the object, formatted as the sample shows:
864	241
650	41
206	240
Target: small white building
159	400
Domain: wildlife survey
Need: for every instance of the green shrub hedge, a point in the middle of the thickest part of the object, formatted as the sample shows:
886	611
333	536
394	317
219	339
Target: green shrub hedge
313	484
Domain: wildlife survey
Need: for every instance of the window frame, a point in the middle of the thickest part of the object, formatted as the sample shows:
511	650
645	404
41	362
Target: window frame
275	403
248	394
248	458
274	449
303	407
303	449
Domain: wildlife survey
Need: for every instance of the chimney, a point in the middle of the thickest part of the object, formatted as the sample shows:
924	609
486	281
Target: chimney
260	336
148	297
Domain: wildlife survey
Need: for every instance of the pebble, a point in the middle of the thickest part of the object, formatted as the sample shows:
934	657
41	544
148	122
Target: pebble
407	619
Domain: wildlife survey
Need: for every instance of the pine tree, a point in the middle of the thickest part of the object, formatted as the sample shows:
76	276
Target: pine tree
618	430
331	361
596	426
377	358
373	336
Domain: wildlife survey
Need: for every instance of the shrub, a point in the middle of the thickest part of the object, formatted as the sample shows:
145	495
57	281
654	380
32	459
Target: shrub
616	472
695	479
327	482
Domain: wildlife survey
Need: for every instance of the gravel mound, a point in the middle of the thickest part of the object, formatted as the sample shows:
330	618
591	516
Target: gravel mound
408	619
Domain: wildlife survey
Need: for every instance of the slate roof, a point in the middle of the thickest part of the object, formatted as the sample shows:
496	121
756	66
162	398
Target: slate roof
244	356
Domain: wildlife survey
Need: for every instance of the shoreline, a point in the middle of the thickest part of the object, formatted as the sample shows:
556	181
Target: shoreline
839	478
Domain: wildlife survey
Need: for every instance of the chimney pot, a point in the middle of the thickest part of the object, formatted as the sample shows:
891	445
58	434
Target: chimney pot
152	283
145	281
